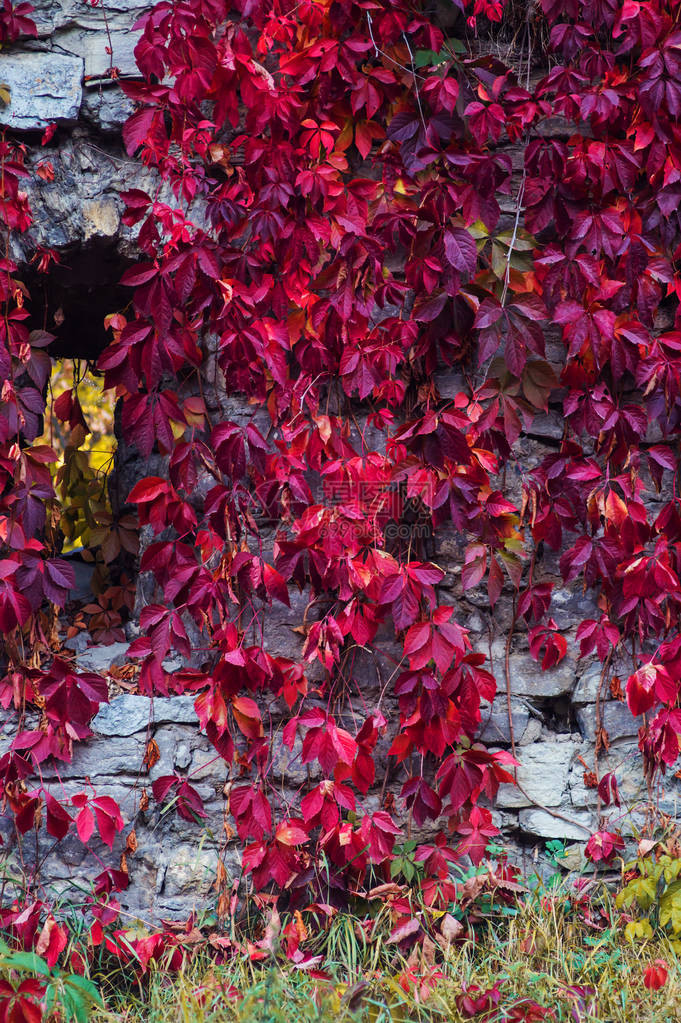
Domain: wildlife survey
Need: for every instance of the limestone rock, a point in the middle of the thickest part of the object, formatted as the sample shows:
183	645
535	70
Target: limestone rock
539	822
106	106
495	727
79	642
616	717
52	15
569	606
127	714
91	45
44	87
124	715
102	658
208	766
528	679
543	774
96	759
623	760
175	710
101	218
586	690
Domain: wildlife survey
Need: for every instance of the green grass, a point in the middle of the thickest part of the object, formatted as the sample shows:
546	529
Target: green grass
542	951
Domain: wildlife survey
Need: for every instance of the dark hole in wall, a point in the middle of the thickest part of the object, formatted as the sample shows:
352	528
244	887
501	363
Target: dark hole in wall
558	714
71	302
72	299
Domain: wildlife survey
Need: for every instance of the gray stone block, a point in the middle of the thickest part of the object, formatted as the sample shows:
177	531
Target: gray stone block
495	727
102	658
539	822
570	606
44	87
586	690
175	710
92	43
51	15
124	715
543	774
207	765
616	718
528	679
623	759
95	758
78	643
108	108
127	714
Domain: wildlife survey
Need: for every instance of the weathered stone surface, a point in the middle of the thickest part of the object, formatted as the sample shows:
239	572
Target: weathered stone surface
106	106
528	679
616	718
623	760
127	714
99	759
101	218
91	45
124	715
78	643
101	658
175	710
208	766
188	877
43	87
569	606
64	217
548	424
586	690
52	15
545	825
543	774
495	725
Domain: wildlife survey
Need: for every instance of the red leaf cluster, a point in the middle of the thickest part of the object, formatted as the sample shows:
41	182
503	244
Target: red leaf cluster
331	251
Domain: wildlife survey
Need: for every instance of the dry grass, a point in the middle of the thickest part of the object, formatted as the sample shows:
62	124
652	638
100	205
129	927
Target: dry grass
549	951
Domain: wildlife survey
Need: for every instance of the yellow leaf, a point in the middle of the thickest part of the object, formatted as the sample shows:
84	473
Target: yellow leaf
638	930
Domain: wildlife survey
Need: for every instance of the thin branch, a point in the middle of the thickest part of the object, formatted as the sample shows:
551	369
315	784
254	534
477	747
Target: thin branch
416	84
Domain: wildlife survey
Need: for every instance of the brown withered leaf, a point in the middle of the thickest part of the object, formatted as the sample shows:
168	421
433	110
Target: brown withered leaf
645	846
616	690
404	930
144	801
384	891
123	671
450	928
131	843
220	875
427	954
152	755
471	889
602	740
223	906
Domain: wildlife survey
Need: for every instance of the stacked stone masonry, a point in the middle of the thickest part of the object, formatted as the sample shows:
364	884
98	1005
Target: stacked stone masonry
65	76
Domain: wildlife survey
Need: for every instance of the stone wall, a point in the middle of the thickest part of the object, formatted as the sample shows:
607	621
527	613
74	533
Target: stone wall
65	76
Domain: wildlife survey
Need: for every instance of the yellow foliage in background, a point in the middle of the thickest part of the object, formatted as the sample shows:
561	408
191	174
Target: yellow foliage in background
80	428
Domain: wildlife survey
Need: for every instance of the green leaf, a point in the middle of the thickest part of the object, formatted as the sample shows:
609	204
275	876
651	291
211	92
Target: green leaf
24	961
425	58
89	989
